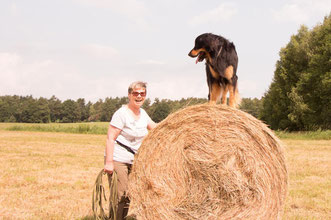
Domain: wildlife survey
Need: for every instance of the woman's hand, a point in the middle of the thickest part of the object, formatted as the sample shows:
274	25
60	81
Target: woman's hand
109	167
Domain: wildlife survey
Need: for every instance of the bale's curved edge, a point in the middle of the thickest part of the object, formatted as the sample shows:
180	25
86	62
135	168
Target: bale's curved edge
209	162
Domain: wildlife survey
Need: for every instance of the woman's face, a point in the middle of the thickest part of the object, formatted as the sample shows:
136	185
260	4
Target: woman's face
137	97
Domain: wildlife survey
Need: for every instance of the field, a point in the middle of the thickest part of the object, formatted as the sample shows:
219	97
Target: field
50	175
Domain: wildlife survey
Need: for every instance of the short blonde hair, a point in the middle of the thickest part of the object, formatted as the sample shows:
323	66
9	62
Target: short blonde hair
137	84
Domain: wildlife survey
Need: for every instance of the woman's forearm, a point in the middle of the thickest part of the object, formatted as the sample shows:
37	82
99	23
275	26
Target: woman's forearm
109	150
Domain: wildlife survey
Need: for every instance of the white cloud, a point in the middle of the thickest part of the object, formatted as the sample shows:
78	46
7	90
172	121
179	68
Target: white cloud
134	10
150	62
301	11
7	60
223	12
21	77
132	7
99	51
13	9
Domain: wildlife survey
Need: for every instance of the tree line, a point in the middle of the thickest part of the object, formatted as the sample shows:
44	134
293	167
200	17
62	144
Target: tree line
41	110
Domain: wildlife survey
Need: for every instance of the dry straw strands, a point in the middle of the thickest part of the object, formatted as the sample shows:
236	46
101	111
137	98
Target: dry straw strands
209	162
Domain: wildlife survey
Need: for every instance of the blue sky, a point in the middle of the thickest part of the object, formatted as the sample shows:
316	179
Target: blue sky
95	48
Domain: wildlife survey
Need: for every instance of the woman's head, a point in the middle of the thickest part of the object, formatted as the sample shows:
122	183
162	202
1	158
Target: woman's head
137	85
137	93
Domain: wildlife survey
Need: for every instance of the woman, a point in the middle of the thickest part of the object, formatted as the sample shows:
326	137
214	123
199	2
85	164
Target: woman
126	131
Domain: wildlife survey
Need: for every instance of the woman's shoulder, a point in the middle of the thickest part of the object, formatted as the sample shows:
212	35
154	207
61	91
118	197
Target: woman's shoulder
123	108
143	112
121	111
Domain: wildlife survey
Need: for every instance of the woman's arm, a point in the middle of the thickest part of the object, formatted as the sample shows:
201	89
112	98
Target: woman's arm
151	125
112	134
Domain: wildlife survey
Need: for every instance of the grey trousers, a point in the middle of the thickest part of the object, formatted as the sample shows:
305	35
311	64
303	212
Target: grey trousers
122	170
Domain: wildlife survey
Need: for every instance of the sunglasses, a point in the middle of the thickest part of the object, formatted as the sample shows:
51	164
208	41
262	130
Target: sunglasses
142	94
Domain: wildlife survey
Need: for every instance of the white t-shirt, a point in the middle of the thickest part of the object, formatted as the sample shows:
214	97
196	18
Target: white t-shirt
132	132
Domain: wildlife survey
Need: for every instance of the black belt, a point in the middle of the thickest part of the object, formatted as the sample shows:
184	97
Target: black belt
126	147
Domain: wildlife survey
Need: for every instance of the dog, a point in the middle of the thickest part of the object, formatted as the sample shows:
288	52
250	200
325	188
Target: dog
221	67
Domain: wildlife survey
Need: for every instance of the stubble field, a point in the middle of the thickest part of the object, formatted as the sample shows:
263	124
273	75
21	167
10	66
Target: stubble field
45	175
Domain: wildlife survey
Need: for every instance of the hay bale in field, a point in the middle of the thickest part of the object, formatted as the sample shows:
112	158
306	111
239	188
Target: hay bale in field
209	162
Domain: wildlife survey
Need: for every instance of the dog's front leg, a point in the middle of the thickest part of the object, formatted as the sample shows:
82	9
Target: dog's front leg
225	89
215	92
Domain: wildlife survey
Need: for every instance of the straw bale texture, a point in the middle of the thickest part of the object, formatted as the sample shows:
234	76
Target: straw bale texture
209	162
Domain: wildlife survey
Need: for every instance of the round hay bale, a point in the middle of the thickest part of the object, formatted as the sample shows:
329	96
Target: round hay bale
209	162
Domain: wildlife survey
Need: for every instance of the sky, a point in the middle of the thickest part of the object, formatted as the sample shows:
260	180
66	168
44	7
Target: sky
94	49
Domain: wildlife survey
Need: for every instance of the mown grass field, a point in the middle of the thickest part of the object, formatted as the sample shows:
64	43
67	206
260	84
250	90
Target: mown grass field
50	175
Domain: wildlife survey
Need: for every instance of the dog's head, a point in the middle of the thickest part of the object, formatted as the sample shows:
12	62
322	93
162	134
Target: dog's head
206	46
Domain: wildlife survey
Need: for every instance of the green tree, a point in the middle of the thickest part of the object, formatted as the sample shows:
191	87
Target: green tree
108	108
251	106
28	106
95	111
70	111
315	84
4	109
122	101
298	109
84	113
42	115
160	110
55	107
299	96
88	107
146	106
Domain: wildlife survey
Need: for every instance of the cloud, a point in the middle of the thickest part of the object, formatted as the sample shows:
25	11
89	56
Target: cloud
99	51
223	12
19	76
150	62
13	9
301	11
128	7
7	60
134	10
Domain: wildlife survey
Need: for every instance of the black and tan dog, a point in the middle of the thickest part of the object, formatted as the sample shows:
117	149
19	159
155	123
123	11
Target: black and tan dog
221	67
